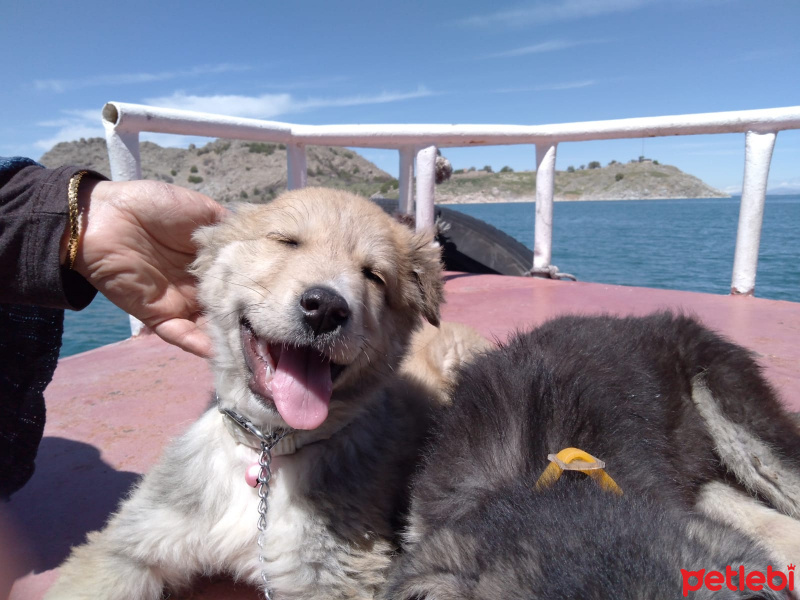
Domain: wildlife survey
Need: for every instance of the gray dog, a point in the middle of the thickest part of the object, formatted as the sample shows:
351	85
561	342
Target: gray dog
707	462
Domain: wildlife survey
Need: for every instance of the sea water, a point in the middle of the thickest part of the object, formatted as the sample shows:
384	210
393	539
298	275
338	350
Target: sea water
671	244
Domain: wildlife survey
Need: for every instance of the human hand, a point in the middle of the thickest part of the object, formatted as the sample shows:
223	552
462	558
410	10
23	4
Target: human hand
135	246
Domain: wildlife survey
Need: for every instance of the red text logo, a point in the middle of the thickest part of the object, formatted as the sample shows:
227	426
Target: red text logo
738	579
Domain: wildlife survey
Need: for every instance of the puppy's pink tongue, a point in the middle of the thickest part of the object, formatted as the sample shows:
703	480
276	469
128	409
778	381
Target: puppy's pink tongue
301	387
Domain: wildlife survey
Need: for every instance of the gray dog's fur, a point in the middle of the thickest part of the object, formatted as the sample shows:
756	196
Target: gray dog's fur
687	427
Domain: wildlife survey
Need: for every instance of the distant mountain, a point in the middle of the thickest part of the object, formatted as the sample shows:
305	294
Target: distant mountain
618	181
230	170
784	190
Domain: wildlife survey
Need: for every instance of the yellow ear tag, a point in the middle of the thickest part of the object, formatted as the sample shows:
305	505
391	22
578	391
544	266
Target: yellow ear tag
573	459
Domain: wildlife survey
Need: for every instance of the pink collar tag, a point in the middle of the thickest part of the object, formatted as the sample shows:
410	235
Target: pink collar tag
251	474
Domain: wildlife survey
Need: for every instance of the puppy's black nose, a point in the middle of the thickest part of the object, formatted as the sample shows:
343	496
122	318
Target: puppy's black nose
324	310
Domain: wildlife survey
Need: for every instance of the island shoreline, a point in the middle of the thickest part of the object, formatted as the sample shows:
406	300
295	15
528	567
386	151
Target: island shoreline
522	199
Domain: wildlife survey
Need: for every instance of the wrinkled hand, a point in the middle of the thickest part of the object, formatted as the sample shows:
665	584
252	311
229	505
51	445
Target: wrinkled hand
135	247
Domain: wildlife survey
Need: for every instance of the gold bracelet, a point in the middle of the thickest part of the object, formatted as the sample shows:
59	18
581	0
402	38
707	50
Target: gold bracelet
74	218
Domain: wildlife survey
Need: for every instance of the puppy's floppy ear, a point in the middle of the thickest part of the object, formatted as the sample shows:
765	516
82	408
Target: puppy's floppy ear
209	239
426	264
203	239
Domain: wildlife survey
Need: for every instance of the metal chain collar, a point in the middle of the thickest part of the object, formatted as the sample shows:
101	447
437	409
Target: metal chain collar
265	462
268	442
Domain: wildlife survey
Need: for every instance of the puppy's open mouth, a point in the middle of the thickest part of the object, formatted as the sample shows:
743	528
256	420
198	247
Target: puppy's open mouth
298	379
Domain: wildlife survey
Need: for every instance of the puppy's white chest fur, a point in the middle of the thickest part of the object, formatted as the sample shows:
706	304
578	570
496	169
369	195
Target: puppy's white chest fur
296	542
303	556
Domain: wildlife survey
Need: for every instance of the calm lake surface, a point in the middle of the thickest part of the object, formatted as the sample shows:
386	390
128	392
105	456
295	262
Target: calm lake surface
673	244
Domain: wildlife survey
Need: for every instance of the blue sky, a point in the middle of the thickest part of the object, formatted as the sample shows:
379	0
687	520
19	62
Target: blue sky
535	62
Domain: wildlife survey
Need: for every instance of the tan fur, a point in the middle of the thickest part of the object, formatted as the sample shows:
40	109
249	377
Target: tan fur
329	531
778	533
435	355
755	464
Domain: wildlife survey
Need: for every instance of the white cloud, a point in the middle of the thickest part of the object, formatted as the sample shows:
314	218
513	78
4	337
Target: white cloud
549	11
307	83
382	98
268	106
75	124
549	87
265	106
569	85
73	131
74	116
548	46
63	85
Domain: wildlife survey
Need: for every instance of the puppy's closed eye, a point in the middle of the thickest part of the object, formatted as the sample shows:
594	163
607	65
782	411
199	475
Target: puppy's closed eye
373	275
283	238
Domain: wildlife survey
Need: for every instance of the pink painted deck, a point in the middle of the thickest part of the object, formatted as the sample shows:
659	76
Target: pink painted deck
111	410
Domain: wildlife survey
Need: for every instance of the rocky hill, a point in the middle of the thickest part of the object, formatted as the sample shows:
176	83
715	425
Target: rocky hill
629	181
236	170
230	170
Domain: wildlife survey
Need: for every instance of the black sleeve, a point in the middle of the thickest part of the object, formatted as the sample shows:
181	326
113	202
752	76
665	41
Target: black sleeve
33	216
30	337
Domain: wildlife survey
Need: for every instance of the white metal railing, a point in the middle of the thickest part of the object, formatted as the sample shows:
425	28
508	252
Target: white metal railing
123	123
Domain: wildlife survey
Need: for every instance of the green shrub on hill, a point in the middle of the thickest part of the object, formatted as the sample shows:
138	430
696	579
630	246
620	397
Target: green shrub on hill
261	148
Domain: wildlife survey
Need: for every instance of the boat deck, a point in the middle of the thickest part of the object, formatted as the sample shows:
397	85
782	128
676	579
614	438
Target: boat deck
111	410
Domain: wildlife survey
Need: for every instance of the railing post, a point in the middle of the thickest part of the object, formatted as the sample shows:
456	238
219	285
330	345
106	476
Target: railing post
126	165
297	168
405	202
757	157
426	183
123	147
545	184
